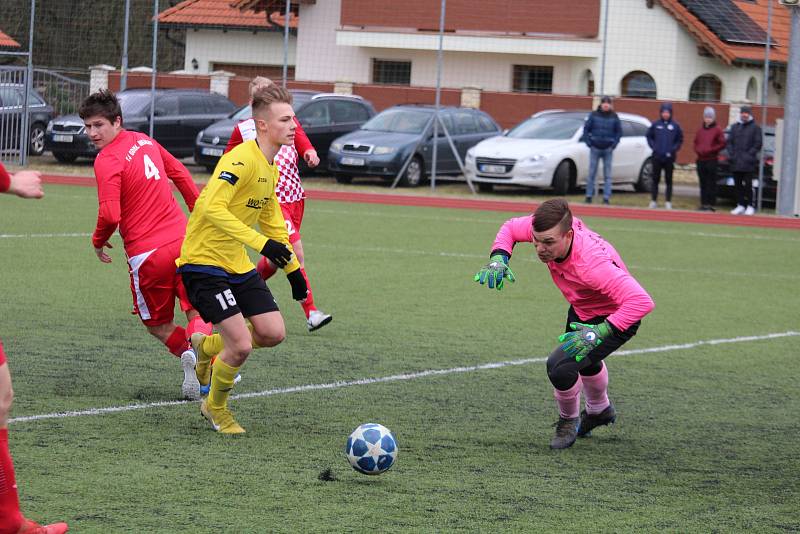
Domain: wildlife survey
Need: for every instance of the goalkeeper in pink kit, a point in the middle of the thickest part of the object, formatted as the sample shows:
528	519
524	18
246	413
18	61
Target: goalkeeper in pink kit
606	308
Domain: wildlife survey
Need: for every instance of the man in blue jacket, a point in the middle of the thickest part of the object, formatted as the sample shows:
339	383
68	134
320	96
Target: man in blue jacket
665	137
601	132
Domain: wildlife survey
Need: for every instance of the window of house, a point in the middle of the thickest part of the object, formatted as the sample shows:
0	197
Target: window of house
638	84
532	79
706	88
391	72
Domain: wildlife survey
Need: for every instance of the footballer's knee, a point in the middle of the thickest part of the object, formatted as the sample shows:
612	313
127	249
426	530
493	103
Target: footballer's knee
161	331
270	338
6	400
562	369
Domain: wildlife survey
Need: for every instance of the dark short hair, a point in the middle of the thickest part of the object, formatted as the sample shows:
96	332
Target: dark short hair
263	97
551	213
103	103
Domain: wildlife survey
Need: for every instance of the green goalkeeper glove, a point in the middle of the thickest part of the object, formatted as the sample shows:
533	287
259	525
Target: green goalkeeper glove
584	339
495	272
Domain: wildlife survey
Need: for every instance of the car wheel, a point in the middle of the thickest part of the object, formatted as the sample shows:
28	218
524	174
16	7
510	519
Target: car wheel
563	178
414	173
62	157
485	188
36	147
645	182
343	178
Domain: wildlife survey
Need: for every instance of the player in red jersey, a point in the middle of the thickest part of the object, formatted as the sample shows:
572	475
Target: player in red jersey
133	188
291	197
25	184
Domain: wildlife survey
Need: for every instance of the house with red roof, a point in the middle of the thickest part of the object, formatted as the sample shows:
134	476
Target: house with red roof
7	42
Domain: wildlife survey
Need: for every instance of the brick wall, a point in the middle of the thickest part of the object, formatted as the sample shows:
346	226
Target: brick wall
384	96
576	17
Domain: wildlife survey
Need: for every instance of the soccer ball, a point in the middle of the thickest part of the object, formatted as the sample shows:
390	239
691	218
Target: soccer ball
371	449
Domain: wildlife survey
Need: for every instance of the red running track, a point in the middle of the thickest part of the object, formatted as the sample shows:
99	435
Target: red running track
641	214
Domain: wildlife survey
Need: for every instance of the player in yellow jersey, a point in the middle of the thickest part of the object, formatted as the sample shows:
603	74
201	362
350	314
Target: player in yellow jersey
221	281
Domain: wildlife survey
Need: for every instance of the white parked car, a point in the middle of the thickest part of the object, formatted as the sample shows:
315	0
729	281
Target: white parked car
546	151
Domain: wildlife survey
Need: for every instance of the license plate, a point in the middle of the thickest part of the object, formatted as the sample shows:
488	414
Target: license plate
62	138
356	162
212	151
496	169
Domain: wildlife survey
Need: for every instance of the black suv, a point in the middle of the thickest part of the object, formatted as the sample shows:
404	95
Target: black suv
12	100
179	114
324	117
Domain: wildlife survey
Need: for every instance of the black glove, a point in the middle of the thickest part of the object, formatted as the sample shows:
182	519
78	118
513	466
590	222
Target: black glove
277	253
298	283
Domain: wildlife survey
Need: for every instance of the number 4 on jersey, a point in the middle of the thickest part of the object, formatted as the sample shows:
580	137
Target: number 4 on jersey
150	169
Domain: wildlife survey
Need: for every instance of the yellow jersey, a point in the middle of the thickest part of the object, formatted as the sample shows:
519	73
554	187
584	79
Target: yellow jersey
240	193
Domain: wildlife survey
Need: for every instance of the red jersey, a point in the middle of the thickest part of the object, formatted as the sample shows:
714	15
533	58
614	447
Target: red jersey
5	179
134	193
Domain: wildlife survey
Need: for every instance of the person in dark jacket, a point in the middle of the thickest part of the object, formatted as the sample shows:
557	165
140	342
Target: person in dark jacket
744	144
601	133
708	141
665	137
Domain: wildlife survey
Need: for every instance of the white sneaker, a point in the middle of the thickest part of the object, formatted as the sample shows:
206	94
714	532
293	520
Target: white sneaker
317	319
750	210
191	386
668	205
653	204
738	210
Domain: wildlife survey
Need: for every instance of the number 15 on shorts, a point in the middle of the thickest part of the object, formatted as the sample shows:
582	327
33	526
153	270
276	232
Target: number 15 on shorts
226	299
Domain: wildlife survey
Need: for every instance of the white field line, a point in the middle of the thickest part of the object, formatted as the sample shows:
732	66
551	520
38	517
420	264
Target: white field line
390	378
28	236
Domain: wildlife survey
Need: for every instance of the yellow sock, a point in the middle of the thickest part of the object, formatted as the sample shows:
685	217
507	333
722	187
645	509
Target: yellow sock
252	338
221	383
213	345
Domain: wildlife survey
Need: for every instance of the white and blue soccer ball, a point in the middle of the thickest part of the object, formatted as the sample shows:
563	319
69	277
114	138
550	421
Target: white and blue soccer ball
371	449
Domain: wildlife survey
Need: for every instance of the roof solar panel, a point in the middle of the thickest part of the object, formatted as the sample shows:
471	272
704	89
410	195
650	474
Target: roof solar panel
727	21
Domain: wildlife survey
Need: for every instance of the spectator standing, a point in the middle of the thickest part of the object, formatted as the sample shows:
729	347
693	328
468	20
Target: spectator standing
665	137
601	132
744	144
708	142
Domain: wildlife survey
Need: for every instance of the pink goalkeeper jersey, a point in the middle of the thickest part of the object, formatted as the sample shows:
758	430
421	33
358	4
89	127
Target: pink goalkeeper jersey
593	279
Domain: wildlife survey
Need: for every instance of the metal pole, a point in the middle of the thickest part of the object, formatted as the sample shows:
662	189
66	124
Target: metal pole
435	154
155	66
791	120
25	134
123	78
286	42
607	4
764	94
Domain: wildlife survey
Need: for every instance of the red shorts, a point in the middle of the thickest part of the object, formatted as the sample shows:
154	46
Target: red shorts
293	215
2	354
155	284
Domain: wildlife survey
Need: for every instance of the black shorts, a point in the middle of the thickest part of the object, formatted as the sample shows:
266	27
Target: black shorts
218	297
610	344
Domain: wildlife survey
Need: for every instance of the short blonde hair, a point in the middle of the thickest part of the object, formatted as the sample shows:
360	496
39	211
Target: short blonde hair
256	83
264	96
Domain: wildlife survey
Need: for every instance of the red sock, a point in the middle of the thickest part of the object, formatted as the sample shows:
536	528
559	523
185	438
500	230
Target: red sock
10	516
308	304
198	325
265	269
176	342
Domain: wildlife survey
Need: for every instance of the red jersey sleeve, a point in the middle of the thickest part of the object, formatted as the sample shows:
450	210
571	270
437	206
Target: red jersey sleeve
108	172
180	176
301	141
236	139
5	179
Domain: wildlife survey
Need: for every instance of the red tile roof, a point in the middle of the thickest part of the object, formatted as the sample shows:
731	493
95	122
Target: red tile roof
7	42
728	52
268	5
219	14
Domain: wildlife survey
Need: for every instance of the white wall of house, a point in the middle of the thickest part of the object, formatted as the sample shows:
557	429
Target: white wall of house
651	40
639	38
241	47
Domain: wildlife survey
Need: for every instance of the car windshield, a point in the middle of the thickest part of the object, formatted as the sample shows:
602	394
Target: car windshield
133	103
243	114
547	127
398	121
